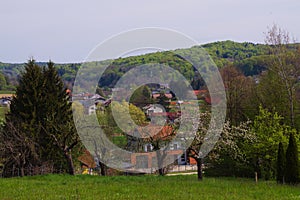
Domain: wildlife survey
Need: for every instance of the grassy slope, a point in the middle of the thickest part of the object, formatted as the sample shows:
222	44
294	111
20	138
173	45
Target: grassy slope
3	110
144	187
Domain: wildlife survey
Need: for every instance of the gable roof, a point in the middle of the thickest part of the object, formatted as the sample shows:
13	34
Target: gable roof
154	132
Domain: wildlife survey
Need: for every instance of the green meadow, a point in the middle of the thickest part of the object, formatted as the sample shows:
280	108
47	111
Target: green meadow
142	187
3	110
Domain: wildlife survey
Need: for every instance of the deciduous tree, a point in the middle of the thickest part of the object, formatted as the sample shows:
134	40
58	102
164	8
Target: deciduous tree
284	65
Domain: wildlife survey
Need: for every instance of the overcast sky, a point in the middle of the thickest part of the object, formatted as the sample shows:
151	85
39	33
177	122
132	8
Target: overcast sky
67	30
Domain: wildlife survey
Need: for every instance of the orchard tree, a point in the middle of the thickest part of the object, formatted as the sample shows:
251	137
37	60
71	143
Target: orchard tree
231	144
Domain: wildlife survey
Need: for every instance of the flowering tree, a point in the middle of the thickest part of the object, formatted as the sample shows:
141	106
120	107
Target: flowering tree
231	143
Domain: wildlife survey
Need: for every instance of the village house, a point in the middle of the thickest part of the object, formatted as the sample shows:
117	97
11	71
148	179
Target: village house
5	101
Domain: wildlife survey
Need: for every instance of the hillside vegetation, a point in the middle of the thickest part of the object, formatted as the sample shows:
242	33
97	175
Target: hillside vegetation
250	58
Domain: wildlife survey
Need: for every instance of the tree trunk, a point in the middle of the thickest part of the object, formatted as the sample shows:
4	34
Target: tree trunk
22	171
160	166
161	171
102	169
69	159
292	107
199	168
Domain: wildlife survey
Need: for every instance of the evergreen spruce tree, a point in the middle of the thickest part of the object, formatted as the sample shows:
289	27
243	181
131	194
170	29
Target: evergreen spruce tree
23	122
292	162
59	125
39	128
280	164
27	106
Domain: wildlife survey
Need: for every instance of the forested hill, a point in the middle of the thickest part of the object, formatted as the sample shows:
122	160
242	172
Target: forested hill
250	58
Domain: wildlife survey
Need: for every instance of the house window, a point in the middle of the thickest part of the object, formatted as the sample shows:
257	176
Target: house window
183	159
148	148
175	146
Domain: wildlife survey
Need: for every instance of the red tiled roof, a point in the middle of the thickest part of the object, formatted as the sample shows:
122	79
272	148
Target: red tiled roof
154	132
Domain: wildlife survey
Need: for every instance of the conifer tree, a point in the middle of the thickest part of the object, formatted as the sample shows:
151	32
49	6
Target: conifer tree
27	105
59	126
41	117
280	164
292	162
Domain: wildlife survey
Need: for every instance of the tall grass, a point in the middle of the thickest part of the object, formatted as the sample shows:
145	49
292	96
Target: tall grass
141	187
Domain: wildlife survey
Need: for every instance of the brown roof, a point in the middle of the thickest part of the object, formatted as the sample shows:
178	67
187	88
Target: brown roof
87	159
156	132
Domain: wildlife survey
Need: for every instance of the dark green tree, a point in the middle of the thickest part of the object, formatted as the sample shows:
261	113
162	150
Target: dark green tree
59	126
41	113
24	121
292	162
280	164
141	96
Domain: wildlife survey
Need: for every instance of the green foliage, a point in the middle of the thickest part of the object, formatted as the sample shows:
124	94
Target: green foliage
292	162
250	58
3	110
271	95
226	52
122	110
141	96
3	83
270	131
280	164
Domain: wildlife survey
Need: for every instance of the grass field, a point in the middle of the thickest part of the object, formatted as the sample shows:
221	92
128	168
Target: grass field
3	110
6	93
142	187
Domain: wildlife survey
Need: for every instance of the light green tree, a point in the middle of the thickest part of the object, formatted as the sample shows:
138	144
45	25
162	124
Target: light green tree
269	130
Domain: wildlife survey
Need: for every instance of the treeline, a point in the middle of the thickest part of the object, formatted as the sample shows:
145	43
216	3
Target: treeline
251	59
